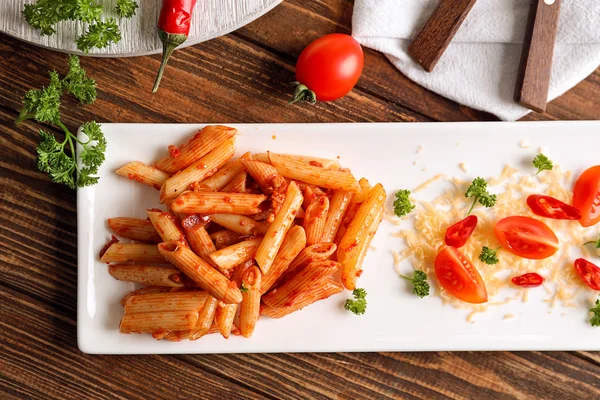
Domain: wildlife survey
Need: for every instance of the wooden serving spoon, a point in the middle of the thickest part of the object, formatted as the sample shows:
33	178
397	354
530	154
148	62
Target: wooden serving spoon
533	80
436	35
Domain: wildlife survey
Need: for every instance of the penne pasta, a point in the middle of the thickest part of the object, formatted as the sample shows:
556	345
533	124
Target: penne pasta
240	224
236	254
224	317
200	242
271	243
180	255
314	221
315	161
318	176
237	184
287	294
178	336
165	224
337	208
158	322
316	252
309	195
218	203
149	275
359	234
294	242
225	174
224	238
206	317
265	175
355	202
250	305
146	290
199	170
320	290
203	142
165	302
132	253
138	171
140	230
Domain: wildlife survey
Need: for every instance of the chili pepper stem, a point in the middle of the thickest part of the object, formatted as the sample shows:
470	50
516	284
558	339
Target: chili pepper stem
303	93
170	42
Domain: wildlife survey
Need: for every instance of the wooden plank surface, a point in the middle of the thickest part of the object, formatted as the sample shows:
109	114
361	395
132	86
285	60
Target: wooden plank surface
242	77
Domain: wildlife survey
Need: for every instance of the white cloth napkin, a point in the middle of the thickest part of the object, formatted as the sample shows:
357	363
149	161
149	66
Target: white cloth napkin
479	68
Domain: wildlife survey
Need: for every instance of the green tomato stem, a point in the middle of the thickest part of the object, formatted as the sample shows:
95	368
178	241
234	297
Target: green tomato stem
303	93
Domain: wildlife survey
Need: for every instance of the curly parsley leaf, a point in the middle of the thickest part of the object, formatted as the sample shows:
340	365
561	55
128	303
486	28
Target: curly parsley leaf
595	321
420	285
489	256
244	288
45	14
402	204
542	163
99	34
478	191
358	305
43	104
78	84
126	8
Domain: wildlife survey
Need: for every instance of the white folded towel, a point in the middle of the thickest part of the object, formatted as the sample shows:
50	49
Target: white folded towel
479	68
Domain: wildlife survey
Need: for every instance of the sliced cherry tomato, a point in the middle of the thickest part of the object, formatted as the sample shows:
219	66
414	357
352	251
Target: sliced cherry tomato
328	68
457	275
458	234
528	280
549	207
589	272
526	237
586	196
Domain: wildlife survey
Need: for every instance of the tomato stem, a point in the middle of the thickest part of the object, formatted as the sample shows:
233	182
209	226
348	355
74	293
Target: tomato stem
303	93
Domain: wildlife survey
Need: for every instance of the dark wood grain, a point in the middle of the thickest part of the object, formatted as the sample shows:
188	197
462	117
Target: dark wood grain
242	77
533	81
434	37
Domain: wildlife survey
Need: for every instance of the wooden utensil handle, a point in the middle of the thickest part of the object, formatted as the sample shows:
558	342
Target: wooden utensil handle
536	59
435	36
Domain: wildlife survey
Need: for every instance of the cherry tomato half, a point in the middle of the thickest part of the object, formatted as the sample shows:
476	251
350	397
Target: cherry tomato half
526	237
457	275
549	207
328	68
528	280
458	234
589	272
586	196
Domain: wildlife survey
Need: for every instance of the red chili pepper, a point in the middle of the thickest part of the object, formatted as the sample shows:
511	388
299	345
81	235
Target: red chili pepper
589	272
528	280
549	207
458	234
173	29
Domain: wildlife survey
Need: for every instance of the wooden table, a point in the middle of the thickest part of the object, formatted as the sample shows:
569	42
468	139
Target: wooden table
242	77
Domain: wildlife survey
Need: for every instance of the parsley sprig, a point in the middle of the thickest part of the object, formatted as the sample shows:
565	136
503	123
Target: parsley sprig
489	255
402	204
58	158
594	242
100	34
126	8
542	163
244	288
595	321
420	285
478	191
358	305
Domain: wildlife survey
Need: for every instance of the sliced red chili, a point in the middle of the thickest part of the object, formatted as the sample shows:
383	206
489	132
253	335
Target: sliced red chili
458	234
528	280
590	273
549	207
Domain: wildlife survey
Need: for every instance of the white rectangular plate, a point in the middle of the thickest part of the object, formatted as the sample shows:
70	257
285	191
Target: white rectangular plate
396	320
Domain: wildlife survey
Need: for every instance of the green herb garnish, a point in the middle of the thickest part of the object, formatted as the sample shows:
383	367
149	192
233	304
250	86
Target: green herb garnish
402	204
126	8
58	159
358	305
478	191
244	288
594	242
421	286
489	256
542	163
99	34
595	321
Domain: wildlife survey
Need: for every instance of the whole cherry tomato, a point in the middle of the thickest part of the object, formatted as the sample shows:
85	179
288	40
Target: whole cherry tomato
528	280
586	196
458	234
549	207
526	237
457	275
589	272
328	68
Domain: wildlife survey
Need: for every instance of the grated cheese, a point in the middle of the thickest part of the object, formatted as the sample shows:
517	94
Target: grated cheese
524	144
463	166
425	238
420	149
508	316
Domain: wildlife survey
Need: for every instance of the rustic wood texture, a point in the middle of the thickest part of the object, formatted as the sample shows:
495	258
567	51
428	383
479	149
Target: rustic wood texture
241	77
439	30
531	90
